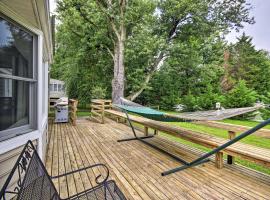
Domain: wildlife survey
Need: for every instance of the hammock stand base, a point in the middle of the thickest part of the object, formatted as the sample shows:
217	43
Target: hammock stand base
143	140
135	138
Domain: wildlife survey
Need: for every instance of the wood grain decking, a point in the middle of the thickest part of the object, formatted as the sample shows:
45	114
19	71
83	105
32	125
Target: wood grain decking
136	167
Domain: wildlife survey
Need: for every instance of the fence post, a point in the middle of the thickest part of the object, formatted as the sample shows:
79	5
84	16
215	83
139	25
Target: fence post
102	111
219	160
230	159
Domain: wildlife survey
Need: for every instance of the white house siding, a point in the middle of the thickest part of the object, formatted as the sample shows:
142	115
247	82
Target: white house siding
33	15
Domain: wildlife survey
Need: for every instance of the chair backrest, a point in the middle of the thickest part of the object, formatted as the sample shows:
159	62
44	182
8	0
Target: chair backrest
28	178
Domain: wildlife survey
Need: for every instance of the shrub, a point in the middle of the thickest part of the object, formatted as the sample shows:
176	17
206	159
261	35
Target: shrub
240	96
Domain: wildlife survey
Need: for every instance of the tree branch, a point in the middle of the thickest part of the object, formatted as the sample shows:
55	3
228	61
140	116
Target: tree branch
78	8
161	57
109	17
110	52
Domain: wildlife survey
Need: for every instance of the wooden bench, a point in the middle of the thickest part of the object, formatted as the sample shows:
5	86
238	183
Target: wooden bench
248	152
234	127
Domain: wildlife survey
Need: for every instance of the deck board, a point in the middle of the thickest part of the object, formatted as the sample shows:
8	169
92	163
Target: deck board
136	168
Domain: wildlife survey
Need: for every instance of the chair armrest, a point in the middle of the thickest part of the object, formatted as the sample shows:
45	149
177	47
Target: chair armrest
85	168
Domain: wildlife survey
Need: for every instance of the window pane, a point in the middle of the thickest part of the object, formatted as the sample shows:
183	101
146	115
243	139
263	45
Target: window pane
51	87
16	48
59	87
14	98
55	87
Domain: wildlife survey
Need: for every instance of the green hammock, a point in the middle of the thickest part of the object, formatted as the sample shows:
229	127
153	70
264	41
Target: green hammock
149	113
211	115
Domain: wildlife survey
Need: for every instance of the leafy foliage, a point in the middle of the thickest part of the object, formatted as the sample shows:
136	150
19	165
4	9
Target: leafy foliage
240	96
173	52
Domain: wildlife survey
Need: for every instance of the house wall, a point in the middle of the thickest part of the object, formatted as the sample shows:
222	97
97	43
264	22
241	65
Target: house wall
10	148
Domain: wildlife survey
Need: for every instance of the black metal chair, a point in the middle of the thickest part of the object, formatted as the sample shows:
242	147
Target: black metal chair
29	180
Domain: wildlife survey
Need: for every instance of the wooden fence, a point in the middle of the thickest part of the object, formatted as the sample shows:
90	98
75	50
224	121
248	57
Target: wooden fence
97	109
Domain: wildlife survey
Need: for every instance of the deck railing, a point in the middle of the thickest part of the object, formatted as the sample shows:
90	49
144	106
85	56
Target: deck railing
73	111
97	109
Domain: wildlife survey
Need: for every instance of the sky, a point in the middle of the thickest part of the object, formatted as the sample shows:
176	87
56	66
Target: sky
260	31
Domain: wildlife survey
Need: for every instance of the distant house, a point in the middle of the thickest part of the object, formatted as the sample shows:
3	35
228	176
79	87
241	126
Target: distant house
25	56
57	89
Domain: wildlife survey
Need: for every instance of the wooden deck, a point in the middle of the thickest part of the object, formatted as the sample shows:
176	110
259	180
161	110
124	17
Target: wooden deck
136	167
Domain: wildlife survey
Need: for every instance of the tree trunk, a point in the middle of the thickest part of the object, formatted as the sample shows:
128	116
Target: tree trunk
118	57
119	72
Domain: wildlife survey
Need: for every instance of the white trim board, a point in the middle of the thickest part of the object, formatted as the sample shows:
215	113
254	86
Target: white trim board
17	18
18	141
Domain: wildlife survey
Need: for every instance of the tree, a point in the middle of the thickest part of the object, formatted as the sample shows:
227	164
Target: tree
119	27
249	64
190	76
240	96
180	20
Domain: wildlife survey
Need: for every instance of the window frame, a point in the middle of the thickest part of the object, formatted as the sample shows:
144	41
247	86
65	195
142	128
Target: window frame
33	85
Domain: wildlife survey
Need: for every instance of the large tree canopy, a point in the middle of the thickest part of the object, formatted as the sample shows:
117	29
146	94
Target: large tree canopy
121	46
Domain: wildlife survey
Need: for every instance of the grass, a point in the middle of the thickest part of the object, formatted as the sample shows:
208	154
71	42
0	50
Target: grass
83	113
243	122
80	113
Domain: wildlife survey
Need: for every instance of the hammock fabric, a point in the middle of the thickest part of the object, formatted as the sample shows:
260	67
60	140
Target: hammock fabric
213	115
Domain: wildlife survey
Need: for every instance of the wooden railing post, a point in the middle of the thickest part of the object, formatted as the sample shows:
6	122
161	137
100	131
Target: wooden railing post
73	111
102	112
219	160
230	159
98	107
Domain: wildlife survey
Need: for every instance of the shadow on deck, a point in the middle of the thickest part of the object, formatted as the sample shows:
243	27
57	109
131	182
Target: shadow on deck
137	168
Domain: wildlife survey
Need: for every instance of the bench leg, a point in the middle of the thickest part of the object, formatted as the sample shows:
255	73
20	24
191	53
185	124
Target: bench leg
146	131
230	159
219	160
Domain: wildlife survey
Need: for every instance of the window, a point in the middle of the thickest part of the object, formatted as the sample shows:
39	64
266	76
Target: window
63	88
51	87
17	80
55	87
59	88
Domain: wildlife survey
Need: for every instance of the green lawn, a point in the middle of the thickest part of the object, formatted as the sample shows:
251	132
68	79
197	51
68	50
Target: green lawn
83	113
243	122
80	113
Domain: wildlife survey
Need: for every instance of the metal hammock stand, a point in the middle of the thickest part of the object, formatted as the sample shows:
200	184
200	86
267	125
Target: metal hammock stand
29	179
203	159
